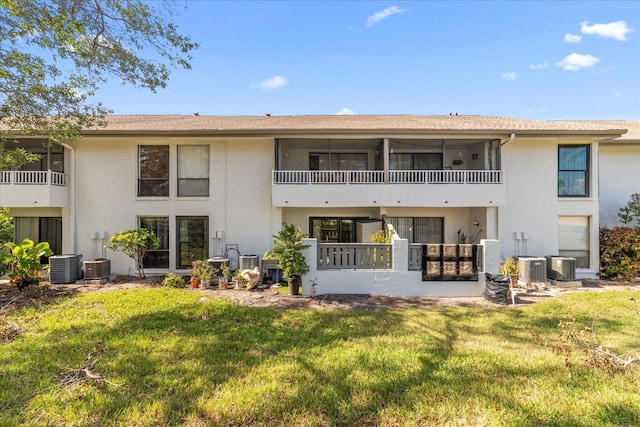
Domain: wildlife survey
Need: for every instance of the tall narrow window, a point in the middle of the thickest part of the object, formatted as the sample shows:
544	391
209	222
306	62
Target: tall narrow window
193	170
192	239
573	233
157	258
573	171
153	171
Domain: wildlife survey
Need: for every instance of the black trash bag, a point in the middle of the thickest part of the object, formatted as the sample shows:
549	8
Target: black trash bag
497	289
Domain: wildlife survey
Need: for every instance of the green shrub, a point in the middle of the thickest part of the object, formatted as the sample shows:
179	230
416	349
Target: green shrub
173	280
619	253
135	244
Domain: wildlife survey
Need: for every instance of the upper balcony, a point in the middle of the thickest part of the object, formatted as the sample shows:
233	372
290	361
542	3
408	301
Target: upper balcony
20	189
387	172
415	188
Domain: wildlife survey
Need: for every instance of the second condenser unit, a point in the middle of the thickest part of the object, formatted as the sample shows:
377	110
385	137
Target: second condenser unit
532	269
561	268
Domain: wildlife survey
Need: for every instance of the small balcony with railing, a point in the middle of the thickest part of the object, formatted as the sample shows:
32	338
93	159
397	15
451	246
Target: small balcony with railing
33	189
387	173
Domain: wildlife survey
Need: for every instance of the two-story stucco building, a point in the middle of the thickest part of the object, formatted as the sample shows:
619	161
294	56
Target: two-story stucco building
206	184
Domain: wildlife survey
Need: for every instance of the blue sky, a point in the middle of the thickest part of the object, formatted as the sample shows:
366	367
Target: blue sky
548	60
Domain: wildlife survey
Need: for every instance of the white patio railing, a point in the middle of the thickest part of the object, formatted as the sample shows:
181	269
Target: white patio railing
354	256
32	178
395	177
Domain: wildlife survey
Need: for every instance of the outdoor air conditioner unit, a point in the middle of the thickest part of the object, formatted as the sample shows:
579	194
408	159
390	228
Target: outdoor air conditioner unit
96	268
64	268
561	268
533	269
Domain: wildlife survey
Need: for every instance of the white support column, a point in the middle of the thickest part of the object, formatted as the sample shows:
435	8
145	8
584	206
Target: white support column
400	250
311	258
491	256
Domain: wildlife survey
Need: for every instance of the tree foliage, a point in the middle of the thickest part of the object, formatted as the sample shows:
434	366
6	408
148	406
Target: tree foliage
631	211
620	253
6	237
135	244
6	226
55	54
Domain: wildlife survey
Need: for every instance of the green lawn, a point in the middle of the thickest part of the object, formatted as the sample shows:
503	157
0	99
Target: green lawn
172	360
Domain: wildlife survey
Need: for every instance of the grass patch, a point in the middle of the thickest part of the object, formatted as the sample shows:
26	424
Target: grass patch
167	359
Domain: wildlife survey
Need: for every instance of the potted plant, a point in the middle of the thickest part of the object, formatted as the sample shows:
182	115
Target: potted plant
225	271
239	279
510	268
200	271
287	248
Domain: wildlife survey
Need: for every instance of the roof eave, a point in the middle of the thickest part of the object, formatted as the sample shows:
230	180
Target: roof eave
610	133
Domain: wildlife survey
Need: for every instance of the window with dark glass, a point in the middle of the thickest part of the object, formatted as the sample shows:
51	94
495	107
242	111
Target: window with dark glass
192	239
573	170
415	161
153	171
333	229
419	229
338	161
55	161
193	170
157	258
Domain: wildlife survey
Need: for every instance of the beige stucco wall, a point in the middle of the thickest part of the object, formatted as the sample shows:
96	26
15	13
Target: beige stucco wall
619	179
238	205
533	207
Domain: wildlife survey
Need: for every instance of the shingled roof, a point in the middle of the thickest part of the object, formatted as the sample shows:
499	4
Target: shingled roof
362	124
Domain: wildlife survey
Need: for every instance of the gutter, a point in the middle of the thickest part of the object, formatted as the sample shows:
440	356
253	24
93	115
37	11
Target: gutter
72	194
511	138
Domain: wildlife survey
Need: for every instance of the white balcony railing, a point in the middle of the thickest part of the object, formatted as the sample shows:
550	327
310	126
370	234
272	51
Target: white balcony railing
327	177
32	178
446	177
395	177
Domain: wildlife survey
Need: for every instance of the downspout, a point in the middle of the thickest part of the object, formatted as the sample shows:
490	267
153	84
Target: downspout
511	138
72	194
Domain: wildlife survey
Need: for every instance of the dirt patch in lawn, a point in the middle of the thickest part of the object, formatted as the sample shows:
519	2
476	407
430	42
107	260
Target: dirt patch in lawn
11	298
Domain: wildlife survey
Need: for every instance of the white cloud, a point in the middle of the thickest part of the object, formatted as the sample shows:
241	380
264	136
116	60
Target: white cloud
539	66
379	16
608	69
614	30
572	38
345	111
576	61
509	76
272	83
